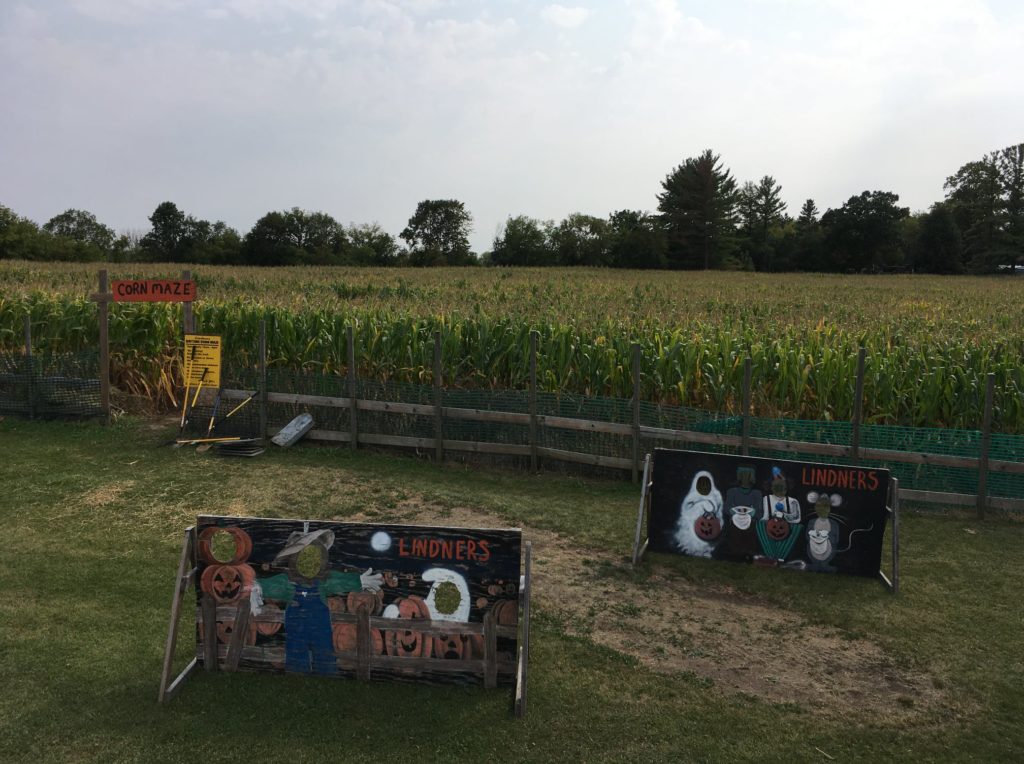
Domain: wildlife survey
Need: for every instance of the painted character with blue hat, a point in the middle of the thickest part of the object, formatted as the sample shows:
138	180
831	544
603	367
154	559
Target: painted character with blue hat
779	525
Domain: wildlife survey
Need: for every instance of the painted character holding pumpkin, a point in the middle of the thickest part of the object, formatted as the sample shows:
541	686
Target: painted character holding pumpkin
700	517
779	526
305	588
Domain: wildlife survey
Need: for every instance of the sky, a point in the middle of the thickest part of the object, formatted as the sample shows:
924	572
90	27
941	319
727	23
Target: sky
362	108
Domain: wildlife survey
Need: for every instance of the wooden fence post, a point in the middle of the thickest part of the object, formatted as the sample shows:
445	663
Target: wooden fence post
986	445
188	321
353	428
363	643
533	401
263	378
745	448
858	405
30	369
104	311
438	396
636	411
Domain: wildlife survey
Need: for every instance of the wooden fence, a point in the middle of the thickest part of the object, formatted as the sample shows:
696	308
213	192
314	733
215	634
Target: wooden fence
537	423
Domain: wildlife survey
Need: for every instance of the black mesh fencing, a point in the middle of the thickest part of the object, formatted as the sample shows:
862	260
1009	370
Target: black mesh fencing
50	385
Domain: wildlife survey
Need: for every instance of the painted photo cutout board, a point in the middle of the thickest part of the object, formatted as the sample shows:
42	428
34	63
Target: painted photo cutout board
772	512
306	585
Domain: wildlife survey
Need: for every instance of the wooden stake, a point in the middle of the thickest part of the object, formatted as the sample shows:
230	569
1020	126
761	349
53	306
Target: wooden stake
438	396
30	367
188	322
490	651
363	644
353	382
745	448
263	378
636	412
104	316
895	536
858	405
533	401
524	646
986	445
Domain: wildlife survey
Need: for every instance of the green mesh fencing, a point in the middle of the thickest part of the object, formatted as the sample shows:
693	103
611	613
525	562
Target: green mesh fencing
50	385
953	442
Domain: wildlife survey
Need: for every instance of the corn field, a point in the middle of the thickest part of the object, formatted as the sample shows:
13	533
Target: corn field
930	341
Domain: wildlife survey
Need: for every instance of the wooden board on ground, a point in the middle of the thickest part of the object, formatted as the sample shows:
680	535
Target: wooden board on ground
294	431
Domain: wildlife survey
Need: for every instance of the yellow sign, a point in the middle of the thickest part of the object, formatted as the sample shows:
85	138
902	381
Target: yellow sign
202	360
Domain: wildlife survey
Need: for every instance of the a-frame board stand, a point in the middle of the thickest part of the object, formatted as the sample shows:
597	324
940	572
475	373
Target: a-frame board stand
183	582
891	581
645	506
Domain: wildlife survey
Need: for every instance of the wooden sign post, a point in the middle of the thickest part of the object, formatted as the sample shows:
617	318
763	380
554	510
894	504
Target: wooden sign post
412	603
181	290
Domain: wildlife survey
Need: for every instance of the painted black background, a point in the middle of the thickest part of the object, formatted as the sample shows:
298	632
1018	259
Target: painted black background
673	475
352	553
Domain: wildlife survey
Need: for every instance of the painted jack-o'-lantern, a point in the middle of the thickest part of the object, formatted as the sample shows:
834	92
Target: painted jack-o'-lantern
215	545
707	526
227	583
226	628
506	612
373	602
345	639
777	528
409	643
264	623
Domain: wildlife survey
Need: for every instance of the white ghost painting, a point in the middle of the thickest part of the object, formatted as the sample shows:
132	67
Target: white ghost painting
448	599
700	517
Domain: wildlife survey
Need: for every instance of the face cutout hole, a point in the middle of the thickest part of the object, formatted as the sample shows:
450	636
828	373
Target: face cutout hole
309	561
447	598
703	485
223	546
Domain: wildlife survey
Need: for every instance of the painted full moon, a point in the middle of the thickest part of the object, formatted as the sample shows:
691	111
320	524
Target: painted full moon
380	541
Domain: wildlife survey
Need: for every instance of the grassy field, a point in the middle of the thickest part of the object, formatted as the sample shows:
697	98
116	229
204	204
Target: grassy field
930	340
626	666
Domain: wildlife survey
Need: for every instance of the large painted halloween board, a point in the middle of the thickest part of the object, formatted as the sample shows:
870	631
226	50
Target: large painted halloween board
412	603
770	512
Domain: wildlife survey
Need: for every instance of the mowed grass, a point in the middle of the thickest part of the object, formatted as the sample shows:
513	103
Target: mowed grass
92	518
930	340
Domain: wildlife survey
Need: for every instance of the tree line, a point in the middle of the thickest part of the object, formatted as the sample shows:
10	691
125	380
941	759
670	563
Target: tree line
705	219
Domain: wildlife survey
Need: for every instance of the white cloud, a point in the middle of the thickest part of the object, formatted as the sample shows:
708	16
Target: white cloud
565	17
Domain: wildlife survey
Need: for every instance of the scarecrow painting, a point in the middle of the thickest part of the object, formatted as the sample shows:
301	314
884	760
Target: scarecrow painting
305	588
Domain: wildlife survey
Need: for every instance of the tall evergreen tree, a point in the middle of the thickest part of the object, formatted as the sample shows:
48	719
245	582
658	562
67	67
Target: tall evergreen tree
939	247
974	193
698	206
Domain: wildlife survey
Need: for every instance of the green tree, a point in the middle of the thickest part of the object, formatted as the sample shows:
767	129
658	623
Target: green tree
761	209
974	194
438	233
296	237
939	248
522	240
372	245
1010	163
82	236
863	234
581	240
636	240
20	238
698	206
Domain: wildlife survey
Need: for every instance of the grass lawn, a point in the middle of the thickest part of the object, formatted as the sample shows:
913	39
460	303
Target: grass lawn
92	519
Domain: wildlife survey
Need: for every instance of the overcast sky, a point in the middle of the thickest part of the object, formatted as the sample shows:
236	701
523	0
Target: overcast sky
361	108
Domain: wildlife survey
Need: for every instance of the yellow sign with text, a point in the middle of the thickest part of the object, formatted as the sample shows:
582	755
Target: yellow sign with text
202	360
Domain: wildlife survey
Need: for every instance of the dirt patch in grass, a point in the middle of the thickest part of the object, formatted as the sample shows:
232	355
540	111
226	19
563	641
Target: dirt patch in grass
734	642
106	494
